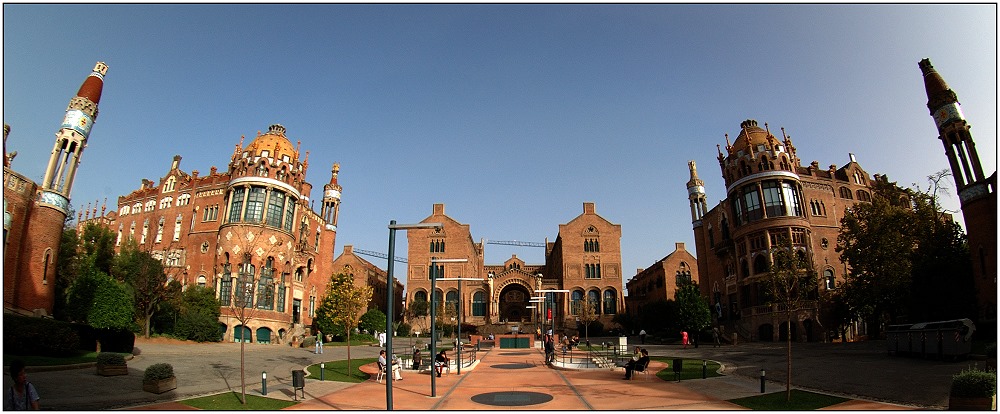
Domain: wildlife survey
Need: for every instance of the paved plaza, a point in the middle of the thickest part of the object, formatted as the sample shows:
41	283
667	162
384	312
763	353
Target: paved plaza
861	371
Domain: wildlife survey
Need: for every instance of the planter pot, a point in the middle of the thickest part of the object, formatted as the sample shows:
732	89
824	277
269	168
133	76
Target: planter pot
112	370
972	403
160	386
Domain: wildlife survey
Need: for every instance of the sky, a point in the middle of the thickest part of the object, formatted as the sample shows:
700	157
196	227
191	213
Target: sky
512	115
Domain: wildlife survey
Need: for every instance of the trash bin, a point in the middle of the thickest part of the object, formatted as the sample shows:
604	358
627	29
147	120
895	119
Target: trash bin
298	383
678	366
895	336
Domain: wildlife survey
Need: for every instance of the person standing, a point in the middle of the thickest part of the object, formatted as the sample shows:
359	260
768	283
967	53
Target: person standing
642	336
684	339
715	336
550	349
416	358
22	394
319	342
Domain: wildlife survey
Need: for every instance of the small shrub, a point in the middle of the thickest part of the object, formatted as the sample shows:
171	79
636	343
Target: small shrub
974	382
198	327
110	358
309	341
157	372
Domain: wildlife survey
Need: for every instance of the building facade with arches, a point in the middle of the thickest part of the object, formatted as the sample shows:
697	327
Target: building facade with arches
770	197
250	228
584	260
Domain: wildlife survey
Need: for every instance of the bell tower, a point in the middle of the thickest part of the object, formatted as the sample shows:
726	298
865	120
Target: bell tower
331	199
696	195
976	192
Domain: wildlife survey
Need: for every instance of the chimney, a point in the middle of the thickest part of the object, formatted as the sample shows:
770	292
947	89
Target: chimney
679	247
348	248
176	163
588	208
438	209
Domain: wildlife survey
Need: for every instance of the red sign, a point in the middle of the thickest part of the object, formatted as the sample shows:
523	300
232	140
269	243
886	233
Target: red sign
550	313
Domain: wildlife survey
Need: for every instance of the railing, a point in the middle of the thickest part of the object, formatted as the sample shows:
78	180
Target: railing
598	356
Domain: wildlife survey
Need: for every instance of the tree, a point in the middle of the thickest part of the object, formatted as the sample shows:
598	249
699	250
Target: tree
693	313
253	288
144	274
586	314
877	240
416	313
199	315
790	282
372	320
343	305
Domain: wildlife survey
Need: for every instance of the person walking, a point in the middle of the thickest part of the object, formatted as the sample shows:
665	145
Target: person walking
642	336
21	395
684	339
319	341
715	336
550	349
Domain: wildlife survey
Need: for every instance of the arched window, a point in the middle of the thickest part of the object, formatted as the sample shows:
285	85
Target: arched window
760	264
159	230
420	296
594	300
576	300
201	280
845	193
118	240
610	302
828	278
145	230
451	301
177	228
479	304
864	196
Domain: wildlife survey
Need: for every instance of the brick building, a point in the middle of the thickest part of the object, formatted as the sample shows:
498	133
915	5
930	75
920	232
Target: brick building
659	281
365	273
770	197
585	260
40	210
250	228
976	191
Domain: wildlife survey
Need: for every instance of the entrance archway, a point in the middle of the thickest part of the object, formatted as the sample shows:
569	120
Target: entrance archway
513	300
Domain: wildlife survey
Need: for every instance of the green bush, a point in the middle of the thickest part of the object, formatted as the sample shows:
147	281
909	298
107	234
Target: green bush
110	358
197	327
403	329
309	341
25	335
974	382
158	372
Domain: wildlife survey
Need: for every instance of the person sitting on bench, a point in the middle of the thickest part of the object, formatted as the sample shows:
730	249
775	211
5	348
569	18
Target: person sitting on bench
440	362
638	365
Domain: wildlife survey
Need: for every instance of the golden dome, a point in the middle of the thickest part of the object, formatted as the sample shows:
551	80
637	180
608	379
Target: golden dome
274	142
753	136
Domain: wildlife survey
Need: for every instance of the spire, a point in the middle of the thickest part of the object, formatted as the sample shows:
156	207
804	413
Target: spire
938	92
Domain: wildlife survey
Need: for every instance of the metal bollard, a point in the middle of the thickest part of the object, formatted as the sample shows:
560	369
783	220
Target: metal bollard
263	383
704	369
322	367
762	380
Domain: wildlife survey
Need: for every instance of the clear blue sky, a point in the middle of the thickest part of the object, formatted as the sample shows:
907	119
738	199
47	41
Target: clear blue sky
511	115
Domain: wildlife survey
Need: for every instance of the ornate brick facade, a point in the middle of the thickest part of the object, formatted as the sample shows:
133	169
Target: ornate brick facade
585	260
367	274
771	197
253	221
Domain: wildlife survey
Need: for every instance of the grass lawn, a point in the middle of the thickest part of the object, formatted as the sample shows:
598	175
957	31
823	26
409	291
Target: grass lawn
231	401
690	369
337	370
801	400
36	360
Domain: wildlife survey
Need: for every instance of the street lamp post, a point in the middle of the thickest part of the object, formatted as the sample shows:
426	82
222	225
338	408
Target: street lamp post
433	272
539	307
389	295
461	314
553	329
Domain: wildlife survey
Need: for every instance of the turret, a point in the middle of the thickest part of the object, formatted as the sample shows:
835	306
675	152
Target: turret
696	195
331	199
71	138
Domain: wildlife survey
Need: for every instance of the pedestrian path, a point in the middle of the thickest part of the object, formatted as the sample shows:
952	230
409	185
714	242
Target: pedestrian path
516	379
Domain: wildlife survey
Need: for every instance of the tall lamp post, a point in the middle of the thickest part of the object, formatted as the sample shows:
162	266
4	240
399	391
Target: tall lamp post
390	281
553	304
538	301
434	278
461	314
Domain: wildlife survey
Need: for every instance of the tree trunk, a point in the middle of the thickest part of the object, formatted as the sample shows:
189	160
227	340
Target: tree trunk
149	317
243	378
349	352
788	358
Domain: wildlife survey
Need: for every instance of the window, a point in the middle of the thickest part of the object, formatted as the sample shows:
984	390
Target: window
183	199
177	228
298	274
420	296
226	285
159	230
845	193
436	271
593	270
437	246
711	237
312	306
255	205
201	280
280	306
275	208
772	199
265	286
798	236
150	205
137	207
751	198
479	304
118	240
831	282
45	266
166	202
591	245
262	172
760	264
289	214
236	204
169	186
145	230
594	301
125	210
576	301
131	231
451	301
793	206
864	196
610	302
211	213
683	274
317	239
